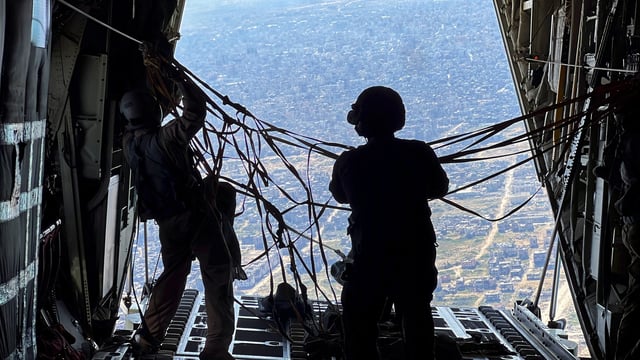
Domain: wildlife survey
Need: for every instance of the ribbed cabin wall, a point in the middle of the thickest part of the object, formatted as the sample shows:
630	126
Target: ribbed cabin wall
23	93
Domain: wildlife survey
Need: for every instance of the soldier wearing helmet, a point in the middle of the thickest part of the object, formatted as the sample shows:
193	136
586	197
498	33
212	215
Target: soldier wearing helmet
171	192
140	109
388	182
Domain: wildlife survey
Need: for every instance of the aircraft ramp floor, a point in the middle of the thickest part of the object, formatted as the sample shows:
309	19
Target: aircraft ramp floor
484	333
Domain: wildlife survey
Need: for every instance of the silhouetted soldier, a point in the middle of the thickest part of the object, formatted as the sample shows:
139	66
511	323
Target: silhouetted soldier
388	182
171	191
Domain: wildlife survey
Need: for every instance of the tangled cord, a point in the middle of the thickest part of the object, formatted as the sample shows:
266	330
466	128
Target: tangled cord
251	139
247	134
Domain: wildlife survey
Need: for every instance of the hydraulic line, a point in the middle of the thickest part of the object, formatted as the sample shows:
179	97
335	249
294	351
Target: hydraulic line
555	287
146	255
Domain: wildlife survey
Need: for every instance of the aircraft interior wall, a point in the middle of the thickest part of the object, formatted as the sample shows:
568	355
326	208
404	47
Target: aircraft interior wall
23	89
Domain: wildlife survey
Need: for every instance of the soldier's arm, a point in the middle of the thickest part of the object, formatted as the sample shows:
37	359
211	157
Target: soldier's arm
335	185
438	179
194	111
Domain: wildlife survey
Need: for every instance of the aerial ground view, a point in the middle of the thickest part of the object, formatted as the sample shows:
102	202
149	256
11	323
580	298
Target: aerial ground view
299	65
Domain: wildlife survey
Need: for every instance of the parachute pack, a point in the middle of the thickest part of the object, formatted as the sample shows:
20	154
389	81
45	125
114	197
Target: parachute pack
154	179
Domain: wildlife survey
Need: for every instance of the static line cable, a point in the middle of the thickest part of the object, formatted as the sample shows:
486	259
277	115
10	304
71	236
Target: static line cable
511	212
100	22
586	67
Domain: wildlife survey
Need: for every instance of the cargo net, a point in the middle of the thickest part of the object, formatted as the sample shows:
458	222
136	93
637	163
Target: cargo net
265	165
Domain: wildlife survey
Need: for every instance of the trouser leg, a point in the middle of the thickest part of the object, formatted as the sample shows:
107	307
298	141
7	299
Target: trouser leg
220	312
216	265
413	306
361	310
417	327
167	292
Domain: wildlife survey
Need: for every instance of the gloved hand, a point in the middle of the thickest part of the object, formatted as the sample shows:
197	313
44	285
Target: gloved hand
170	71
194	99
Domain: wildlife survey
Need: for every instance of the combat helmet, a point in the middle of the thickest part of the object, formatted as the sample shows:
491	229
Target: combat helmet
378	111
141	109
